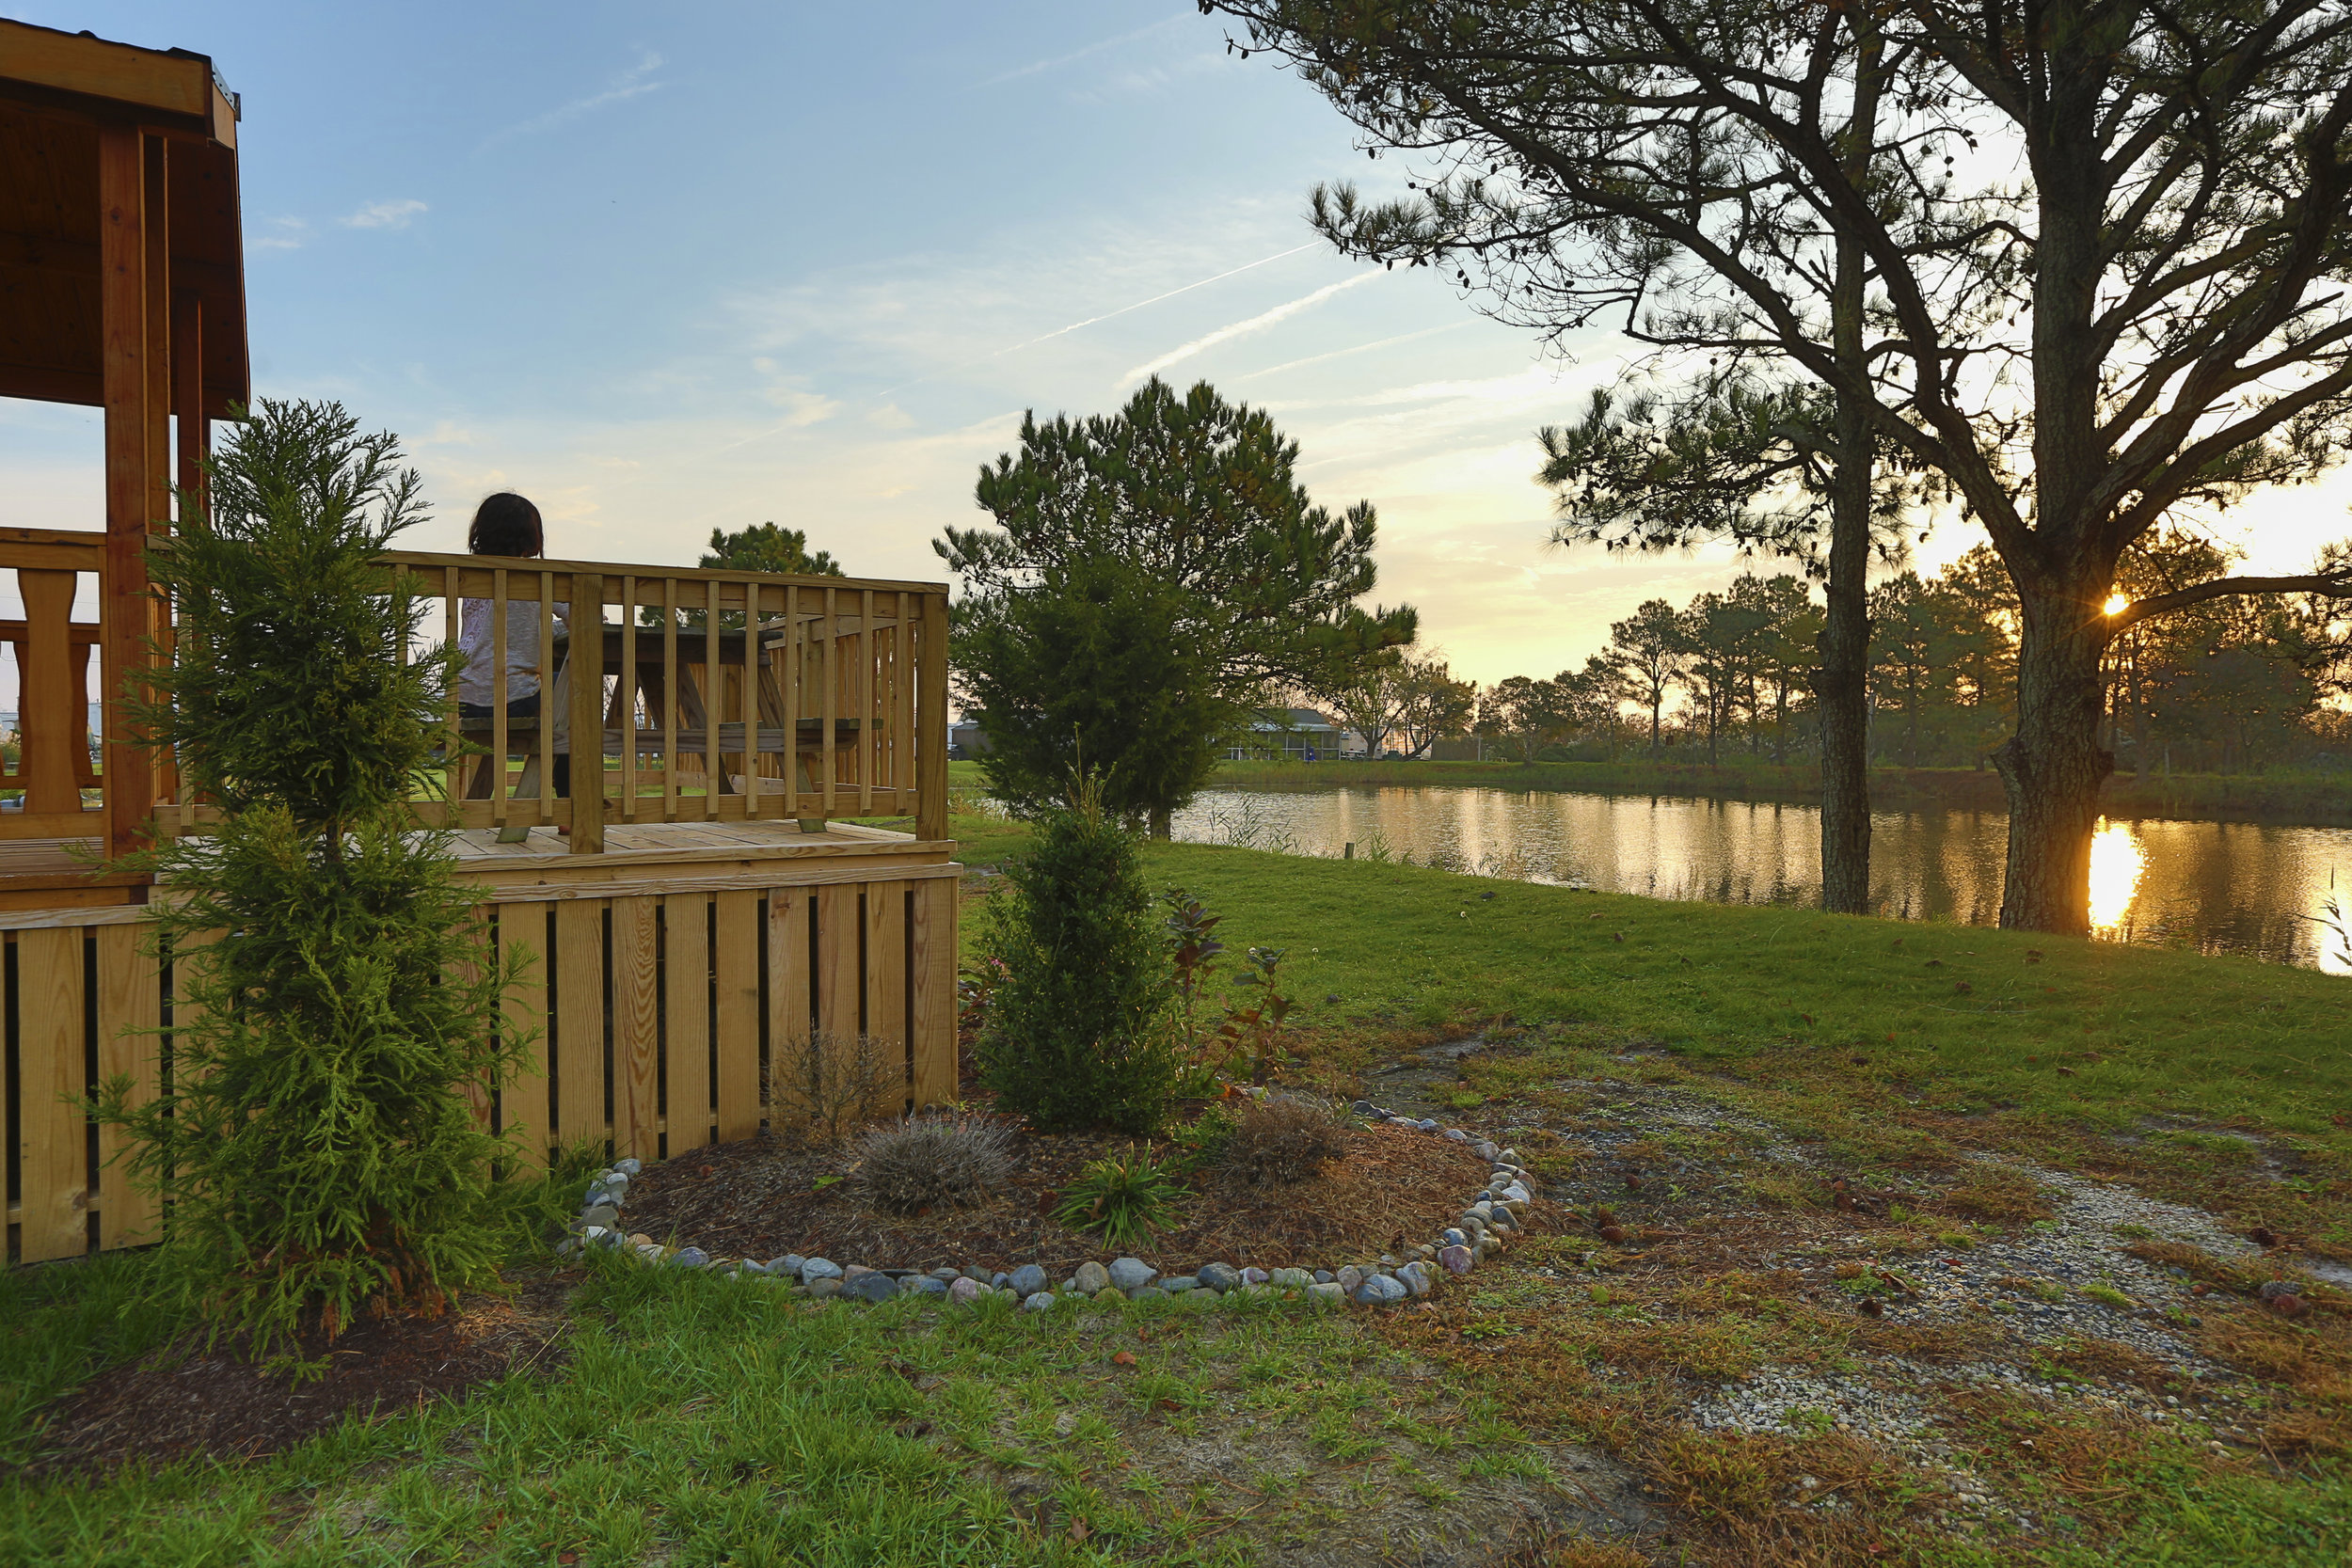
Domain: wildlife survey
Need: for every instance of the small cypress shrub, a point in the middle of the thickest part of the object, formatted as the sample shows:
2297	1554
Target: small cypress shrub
1080	1031
319	1158
1281	1141
935	1162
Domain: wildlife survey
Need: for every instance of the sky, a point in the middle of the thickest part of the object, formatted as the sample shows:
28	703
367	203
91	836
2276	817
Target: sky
670	268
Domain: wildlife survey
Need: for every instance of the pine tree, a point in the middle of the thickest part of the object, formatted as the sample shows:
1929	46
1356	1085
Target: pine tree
1079	1031
334	993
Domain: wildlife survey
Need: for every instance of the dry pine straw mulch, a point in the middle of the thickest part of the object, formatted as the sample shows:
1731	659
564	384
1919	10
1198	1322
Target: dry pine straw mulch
188	1400
759	1198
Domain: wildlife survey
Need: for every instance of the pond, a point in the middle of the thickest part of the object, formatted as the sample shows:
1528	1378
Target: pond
2213	887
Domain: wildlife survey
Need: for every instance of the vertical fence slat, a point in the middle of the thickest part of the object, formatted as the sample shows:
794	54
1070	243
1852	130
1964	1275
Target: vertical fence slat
524	1102
933	961
930	722
789	680
52	1151
686	964
130	1008
636	1032
900	733
454	785
736	964
836	960
548	717
496	763
886	970
476	1091
580	1019
787	980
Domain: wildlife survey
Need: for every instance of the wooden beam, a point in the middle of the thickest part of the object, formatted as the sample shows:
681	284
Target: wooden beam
187	398
125	349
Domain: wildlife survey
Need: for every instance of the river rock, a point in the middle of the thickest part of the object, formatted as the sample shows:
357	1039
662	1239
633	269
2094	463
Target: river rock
1149	1292
601	1213
1110	1295
872	1285
1456	1259
926	1285
815	1269
1348	1277
1177	1284
1219	1276
628	1167
1290	1279
691	1258
1454	1135
1037	1301
1485	1150
1415	1278
825	1285
1253	1276
1427	1124
788	1265
1380	1290
1092	1276
1029	1279
1325	1292
1132	1274
965	1289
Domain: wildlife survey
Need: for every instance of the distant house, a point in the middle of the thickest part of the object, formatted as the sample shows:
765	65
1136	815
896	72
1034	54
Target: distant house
966	740
1293	734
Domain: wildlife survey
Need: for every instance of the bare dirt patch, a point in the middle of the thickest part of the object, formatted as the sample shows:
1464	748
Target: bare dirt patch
765	1197
185	1401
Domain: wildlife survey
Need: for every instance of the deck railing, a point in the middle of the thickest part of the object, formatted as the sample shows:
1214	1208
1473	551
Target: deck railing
711	695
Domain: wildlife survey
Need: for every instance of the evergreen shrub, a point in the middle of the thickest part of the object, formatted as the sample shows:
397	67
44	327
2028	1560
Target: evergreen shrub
1080	1030
335	994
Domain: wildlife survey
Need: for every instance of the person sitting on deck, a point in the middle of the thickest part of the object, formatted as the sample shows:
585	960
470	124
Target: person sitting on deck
506	524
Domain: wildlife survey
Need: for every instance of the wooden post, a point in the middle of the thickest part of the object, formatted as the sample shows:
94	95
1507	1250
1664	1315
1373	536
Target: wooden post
127	345
587	713
187	399
930	722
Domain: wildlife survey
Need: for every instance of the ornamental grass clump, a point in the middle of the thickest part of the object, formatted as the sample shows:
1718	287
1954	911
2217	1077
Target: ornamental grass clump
335	995
1125	1198
935	1162
1080	1031
1281	1141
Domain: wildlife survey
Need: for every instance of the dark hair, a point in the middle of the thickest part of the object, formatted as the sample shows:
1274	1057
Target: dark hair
505	524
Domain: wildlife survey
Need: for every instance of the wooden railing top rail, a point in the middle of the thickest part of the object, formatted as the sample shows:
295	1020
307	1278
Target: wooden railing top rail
474	570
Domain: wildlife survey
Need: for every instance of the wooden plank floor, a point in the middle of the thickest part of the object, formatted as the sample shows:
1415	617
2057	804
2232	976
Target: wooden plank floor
718	838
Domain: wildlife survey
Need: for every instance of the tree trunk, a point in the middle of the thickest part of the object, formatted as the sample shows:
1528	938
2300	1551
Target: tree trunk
2054	765
1657	702
1163	823
1841	683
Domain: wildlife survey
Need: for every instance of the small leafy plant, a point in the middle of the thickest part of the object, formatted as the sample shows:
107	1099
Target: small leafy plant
1124	1198
1254	1034
1192	949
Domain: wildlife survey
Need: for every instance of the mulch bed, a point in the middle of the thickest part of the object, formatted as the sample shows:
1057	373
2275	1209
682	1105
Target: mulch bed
759	1198
185	1399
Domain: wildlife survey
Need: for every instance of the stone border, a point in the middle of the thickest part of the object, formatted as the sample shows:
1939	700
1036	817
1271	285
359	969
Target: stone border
1486	1225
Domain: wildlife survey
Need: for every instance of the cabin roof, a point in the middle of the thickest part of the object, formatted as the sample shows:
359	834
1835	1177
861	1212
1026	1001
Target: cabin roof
60	92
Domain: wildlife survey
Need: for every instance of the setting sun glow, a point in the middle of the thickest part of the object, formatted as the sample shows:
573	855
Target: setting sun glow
2117	863
2116	602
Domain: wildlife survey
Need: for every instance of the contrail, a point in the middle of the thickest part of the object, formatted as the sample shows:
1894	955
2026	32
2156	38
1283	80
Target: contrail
1064	331
1266	319
1359	348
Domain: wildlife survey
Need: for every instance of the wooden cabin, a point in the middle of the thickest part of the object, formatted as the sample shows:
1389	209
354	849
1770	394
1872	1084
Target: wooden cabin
762	872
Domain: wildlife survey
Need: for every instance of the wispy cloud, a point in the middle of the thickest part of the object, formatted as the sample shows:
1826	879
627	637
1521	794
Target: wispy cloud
285	234
1359	348
632	83
1038	67
1074	327
393	213
1242	328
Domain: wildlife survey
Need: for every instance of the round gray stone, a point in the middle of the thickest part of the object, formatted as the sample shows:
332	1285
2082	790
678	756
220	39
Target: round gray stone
924	1285
1092	1276
1219	1276
870	1286
1029	1279
691	1258
1037	1301
825	1285
1132	1274
1380	1290
815	1269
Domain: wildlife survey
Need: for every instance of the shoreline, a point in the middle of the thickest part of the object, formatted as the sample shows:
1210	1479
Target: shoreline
2289	800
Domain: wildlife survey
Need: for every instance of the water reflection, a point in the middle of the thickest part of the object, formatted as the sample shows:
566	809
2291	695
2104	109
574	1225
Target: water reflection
2217	887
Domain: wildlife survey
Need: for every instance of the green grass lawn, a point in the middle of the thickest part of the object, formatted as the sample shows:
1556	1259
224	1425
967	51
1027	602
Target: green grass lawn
702	1421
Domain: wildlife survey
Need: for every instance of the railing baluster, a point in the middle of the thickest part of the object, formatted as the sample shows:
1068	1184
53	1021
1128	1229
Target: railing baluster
453	788
831	689
498	697
790	681
672	682
547	714
626	700
866	705
902	735
714	698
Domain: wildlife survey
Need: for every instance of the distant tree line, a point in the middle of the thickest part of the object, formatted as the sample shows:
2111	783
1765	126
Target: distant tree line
2236	685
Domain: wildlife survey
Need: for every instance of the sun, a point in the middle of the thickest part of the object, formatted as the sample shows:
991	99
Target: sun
2115	604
